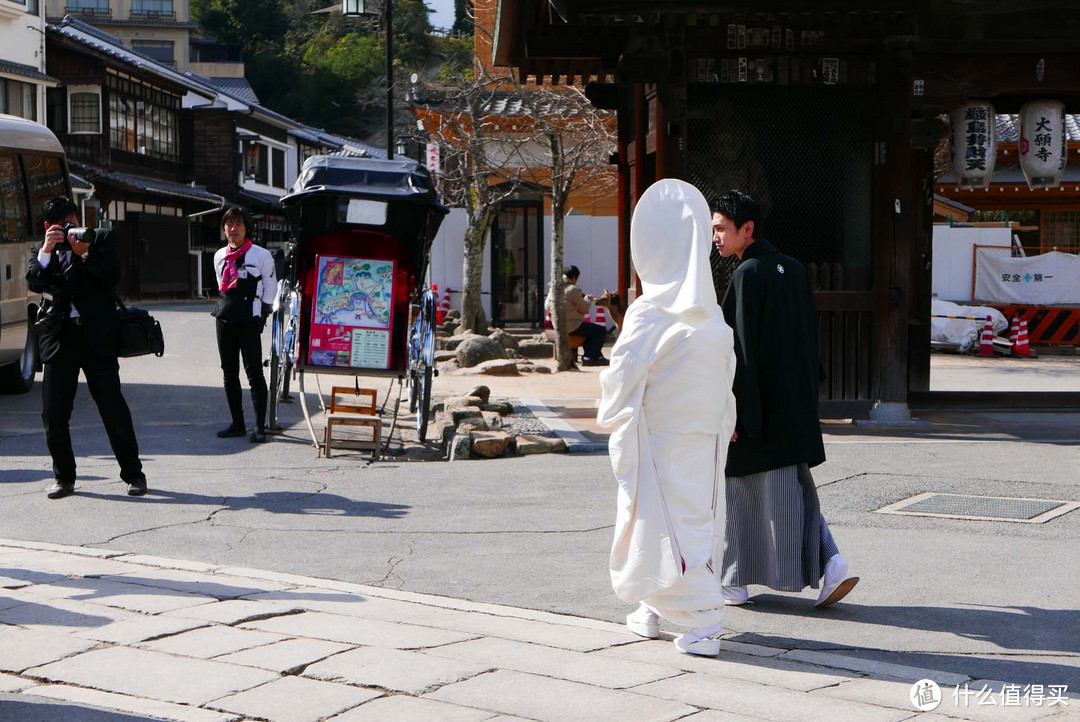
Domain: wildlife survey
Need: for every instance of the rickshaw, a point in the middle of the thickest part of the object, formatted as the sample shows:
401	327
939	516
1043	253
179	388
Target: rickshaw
354	299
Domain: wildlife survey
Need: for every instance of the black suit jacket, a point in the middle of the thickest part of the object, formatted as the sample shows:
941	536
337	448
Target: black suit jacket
89	285
770	306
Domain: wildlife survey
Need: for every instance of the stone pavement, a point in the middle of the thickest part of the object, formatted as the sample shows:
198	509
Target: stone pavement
93	634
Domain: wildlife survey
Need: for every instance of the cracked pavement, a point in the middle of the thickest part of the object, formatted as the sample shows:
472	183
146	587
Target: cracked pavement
991	600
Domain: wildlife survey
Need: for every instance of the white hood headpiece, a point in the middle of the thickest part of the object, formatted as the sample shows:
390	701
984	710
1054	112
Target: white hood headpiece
670	240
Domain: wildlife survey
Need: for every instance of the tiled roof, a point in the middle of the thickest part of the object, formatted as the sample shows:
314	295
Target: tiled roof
77	181
1008	128
25	71
151	186
112	46
238	87
157	22
1012	174
953	204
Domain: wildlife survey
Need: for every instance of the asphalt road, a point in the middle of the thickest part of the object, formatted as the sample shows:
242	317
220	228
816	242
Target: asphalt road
996	600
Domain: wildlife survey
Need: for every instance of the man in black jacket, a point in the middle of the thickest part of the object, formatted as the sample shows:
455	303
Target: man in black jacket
77	281
776	534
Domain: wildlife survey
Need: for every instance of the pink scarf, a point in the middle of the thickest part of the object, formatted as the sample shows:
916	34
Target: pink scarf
229	274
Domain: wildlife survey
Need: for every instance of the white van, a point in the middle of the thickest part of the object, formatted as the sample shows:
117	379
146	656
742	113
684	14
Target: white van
32	170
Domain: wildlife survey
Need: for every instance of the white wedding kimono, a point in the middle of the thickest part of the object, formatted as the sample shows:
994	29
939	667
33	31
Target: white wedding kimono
667	393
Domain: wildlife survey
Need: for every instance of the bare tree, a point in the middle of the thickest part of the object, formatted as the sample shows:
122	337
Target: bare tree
479	145
577	141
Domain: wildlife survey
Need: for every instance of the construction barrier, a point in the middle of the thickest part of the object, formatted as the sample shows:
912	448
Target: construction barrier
1048	325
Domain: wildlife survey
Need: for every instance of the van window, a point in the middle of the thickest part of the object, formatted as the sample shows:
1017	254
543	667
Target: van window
13	218
45	180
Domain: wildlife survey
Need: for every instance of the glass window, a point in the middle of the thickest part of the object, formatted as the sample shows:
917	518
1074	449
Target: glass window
13	217
163	51
44	179
152	7
18	99
84	111
93	7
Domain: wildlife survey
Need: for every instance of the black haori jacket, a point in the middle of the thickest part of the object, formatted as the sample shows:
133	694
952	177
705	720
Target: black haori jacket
770	307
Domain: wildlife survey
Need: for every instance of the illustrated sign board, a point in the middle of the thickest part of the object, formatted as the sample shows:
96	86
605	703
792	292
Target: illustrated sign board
352	313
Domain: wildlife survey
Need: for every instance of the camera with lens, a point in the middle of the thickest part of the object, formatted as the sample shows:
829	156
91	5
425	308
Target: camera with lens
77	234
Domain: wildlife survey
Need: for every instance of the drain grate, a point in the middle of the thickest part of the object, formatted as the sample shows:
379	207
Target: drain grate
984	508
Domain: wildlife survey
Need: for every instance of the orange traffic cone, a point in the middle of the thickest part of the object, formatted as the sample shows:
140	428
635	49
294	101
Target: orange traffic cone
986	343
601	316
547	319
445	304
439	315
1014	329
1021	348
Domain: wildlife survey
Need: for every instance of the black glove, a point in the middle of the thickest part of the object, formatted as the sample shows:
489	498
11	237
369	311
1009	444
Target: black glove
267	309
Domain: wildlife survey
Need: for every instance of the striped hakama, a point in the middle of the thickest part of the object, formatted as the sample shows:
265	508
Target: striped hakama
776	535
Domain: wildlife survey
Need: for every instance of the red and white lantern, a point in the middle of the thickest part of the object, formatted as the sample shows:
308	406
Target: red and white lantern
1042	143
972	128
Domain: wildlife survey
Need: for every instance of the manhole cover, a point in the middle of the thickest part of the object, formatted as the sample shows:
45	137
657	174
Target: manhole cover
986	508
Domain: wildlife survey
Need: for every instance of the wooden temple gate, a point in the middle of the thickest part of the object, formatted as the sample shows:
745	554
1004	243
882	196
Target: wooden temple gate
828	111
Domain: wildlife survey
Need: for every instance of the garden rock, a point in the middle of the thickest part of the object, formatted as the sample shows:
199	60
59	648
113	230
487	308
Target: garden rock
473	423
462	402
481	392
530	444
451	343
460	447
504	408
490	444
535	349
475	350
496	367
469	412
445	356
507	341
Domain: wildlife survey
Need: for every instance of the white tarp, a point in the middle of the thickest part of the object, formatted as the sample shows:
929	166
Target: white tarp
964	332
1045	280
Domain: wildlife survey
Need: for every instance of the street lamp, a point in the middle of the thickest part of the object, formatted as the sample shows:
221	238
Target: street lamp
357	8
353	8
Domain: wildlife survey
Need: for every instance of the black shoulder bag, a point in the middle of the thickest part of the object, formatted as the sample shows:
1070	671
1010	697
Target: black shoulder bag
139	334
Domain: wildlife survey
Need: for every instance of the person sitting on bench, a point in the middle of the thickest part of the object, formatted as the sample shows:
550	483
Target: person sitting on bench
576	304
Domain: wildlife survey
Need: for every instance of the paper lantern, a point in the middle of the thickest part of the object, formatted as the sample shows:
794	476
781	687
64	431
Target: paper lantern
974	145
1042	142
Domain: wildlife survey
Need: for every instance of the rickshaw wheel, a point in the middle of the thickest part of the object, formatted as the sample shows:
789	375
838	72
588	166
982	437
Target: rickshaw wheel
424	394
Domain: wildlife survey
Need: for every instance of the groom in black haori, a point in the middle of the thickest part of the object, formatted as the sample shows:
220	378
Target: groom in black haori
776	535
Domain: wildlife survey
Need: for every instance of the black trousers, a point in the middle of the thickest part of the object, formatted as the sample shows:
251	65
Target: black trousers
594	335
236	339
61	381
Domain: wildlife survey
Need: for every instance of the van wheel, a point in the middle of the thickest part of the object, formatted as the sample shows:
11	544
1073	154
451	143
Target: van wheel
18	378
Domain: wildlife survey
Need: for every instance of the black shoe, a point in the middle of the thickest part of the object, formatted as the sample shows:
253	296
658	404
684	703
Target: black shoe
232	431
595	362
61	489
258	436
137	486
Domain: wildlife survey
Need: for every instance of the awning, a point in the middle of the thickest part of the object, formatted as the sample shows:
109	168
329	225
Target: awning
26	71
264	201
148	186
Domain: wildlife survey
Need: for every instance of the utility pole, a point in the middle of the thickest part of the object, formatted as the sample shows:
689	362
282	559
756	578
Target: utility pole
389	79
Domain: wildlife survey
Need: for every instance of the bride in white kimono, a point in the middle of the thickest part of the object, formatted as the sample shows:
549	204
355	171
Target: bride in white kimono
668	396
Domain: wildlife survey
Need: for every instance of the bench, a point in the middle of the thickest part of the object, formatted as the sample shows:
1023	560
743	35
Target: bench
576	342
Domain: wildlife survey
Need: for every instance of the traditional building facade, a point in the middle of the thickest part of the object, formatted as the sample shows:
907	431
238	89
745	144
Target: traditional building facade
23	76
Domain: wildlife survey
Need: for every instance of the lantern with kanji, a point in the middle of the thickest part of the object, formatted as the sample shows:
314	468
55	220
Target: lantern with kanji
1042	142
974	146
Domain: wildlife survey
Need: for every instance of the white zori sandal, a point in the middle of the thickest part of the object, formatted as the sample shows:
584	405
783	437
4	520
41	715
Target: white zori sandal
644	622
700	641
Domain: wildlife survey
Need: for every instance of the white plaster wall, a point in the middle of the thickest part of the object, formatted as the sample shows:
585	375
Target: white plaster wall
953	253
591	244
22	41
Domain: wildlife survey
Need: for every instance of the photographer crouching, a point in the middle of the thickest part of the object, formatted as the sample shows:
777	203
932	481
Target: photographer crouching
76	271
